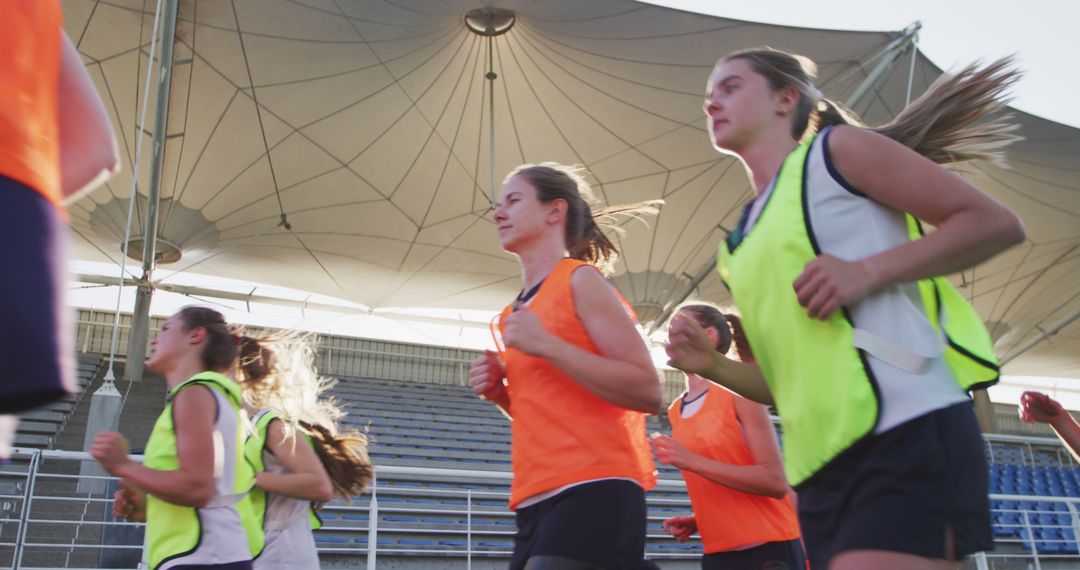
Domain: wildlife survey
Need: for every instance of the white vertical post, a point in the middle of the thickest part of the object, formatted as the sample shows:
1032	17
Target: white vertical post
144	564
373	526
1031	535
468	529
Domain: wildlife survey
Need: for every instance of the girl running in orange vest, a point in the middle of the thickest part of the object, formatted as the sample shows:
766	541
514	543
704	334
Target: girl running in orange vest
576	378
865	350
56	142
726	448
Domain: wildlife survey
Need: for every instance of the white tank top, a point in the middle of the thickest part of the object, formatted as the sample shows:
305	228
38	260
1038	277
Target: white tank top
850	226
289	541
222	536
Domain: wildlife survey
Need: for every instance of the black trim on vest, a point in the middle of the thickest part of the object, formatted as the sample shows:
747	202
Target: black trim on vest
984	385
217	408
839	178
978	359
740	231
941	319
198	517
952	344
207	383
266	494
683	401
847	315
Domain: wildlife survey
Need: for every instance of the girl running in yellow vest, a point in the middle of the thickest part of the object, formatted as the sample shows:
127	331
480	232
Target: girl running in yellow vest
726	448
575	377
866	353
192	489
300	459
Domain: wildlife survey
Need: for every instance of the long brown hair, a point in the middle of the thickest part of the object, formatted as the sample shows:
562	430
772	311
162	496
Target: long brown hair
957	119
585	237
345	458
278	372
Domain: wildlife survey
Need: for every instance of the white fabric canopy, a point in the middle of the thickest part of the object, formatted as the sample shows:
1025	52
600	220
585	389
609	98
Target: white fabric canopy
365	122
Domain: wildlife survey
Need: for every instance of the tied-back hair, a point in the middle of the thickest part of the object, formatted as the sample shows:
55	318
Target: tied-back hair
957	119
278	372
218	353
728	325
345	458
585	225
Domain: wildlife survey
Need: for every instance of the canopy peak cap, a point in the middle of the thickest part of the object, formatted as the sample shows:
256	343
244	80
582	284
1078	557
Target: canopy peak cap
489	21
164	251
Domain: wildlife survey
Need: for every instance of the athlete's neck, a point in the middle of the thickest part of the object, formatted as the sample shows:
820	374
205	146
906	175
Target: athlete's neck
764	157
538	261
695	386
182	371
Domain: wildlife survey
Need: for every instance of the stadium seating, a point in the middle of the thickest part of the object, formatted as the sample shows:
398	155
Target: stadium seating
444	426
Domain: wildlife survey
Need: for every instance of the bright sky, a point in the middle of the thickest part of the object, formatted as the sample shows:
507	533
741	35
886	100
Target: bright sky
1043	34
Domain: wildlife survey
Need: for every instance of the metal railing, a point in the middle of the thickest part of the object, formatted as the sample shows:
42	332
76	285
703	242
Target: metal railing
48	521
44	523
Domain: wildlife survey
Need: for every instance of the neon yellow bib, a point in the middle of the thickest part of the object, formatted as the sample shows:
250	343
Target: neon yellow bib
174	531
253	450
822	385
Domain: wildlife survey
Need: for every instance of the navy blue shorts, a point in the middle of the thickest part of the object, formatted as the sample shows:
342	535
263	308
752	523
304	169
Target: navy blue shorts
901	491
783	555
593	526
37	353
244	565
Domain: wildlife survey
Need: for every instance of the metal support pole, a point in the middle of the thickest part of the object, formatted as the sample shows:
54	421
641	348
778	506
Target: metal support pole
888	59
140	321
696	280
491	76
984	411
1044	334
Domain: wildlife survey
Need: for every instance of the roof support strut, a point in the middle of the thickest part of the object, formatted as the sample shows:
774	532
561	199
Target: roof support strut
140	321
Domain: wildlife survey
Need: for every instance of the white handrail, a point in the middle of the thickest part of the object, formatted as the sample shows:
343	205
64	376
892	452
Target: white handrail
386	474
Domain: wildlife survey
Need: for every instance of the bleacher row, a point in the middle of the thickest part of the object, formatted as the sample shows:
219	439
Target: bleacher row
446	426
442	426
39	428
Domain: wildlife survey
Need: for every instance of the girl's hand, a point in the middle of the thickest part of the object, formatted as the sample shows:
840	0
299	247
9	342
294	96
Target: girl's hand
828	283
486	376
525	332
111	450
682	528
1038	407
689	347
129	503
671	452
